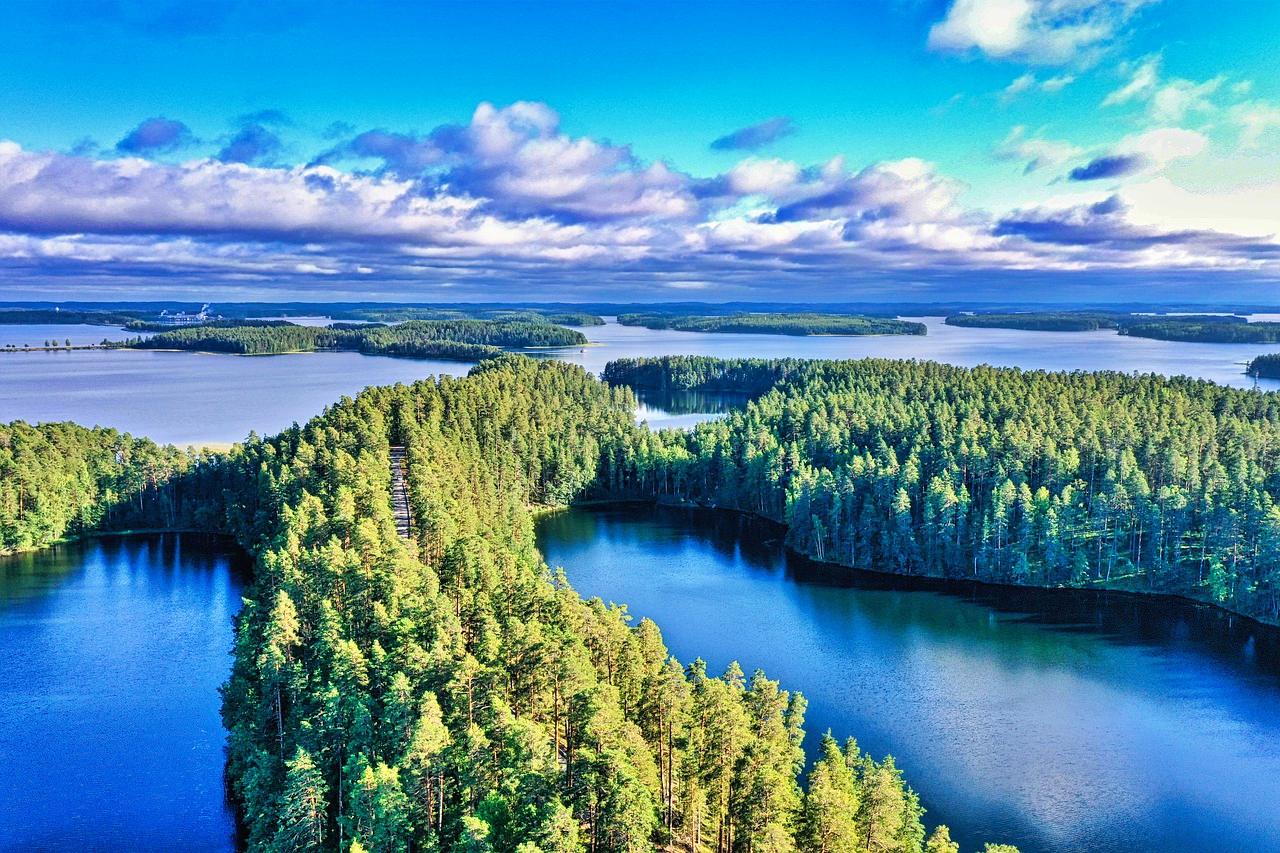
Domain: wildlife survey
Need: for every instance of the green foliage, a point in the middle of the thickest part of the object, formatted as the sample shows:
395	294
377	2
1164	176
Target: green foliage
50	316
1039	321
1214	330
1265	366
1010	476
59	480
460	340
777	324
453	693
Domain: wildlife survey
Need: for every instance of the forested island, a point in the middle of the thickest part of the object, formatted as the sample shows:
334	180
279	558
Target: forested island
1217	330
776	324
459	340
996	474
1038	321
1265	366
448	691
1199	327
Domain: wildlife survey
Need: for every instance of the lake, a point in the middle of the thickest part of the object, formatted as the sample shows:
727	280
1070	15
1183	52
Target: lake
201	399
110	734
1058	721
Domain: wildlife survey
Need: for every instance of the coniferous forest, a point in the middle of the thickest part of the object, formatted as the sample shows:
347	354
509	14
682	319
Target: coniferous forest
1004	475
448	691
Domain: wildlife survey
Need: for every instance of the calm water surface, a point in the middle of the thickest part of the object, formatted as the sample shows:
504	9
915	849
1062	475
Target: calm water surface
110	737
195	398
1056	721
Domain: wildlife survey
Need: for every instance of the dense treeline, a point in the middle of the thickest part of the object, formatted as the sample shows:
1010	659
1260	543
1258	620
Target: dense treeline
700	373
776	324
1038	321
461	340
60	480
473	312
1218	330
1050	479
1265	366
450	693
1162	326
50	316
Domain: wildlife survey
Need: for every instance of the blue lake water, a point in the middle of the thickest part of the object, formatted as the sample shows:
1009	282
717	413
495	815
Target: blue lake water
196	398
110	735
1053	720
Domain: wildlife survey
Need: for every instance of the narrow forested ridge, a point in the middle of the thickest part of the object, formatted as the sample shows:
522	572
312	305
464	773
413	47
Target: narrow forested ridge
776	324
453	694
459	340
1048	479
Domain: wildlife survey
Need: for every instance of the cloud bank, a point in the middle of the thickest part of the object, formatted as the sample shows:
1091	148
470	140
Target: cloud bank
508	197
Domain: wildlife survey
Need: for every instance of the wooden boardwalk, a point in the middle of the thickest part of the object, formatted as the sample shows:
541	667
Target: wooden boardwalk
400	494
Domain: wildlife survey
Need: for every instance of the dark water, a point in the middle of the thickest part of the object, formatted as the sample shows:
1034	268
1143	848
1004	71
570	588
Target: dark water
113	652
1056	721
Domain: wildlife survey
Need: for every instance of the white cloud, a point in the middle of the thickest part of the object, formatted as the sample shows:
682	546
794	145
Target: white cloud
1162	146
1255	119
1038	31
1034	151
1141	83
1028	81
1168	102
1178	97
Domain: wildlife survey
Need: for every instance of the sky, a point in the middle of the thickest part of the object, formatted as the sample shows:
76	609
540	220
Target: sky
879	150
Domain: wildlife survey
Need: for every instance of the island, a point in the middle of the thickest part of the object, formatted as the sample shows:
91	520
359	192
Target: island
776	324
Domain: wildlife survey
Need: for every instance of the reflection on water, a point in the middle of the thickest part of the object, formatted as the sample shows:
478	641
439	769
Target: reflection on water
110	735
1056	721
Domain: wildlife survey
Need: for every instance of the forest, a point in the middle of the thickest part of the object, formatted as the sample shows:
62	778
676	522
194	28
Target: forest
996	474
1038	321
1218	330
1265	366
776	324
450	692
459	340
1164	326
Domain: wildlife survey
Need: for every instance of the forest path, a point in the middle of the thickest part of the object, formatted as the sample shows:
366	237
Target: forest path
400	494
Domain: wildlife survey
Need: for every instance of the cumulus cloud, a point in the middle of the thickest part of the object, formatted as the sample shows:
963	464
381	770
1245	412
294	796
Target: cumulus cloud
756	135
157	135
516	160
508	195
1037	31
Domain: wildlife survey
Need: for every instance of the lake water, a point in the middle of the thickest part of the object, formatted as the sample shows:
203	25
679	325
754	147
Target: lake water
196	398
110	735
1057	721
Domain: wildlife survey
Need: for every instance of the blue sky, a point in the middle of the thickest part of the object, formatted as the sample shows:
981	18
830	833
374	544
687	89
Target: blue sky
881	149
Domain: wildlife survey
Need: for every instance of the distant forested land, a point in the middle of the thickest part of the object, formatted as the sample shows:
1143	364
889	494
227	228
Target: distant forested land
460	340
1088	321
1038	321
1024	477
1216	331
49	316
450	692
776	324
1265	366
